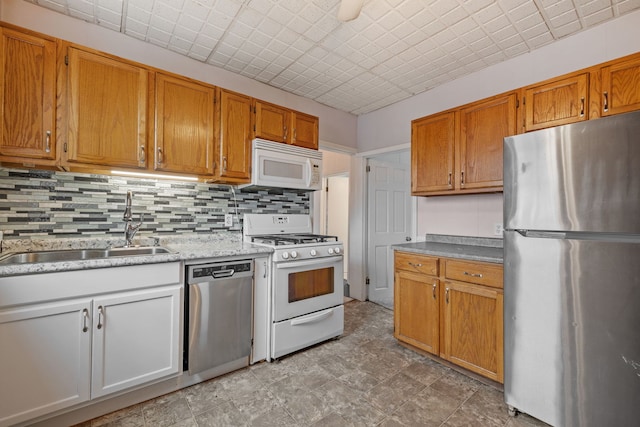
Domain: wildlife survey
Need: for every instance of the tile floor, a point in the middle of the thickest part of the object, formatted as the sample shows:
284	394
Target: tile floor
362	379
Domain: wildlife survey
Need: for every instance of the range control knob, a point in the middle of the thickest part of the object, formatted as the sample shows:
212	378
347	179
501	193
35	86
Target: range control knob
330	250
285	255
294	254
313	252
338	250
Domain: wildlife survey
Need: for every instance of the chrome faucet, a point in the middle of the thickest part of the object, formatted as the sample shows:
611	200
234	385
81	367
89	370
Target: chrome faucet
130	229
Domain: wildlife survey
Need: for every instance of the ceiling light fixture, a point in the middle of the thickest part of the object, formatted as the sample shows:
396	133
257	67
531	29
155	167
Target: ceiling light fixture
349	10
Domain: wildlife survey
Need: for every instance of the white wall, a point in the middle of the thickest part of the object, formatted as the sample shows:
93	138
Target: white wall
336	127
476	215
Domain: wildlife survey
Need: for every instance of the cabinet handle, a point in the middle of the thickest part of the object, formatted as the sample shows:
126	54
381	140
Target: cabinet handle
461	178
415	265
100	314
479	275
582	107
285	133
295	134
85	318
160	156
606	101
449	183
143	154
435	285
47	142
224	164
265	270
446	295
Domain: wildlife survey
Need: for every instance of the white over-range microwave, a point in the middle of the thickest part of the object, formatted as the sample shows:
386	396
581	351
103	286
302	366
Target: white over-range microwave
278	165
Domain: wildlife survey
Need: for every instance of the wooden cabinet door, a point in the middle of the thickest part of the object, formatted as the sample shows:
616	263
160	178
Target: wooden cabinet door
305	131
432	153
233	151
483	126
416	310
184	126
473	336
556	103
108	111
27	96
621	87
272	122
45	352
135	338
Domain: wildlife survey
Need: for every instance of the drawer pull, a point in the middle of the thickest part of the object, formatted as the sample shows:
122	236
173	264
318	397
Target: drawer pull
415	265
466	273
446	295
435	285
85	318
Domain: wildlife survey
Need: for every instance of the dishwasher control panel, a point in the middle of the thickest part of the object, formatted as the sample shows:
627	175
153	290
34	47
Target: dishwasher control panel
219	269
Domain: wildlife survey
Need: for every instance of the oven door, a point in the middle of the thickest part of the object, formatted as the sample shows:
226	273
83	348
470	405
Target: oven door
302	287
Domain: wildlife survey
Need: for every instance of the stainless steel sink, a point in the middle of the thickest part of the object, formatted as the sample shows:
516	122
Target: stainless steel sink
80	254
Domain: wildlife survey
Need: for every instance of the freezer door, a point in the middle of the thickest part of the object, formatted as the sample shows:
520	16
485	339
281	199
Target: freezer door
571	330
579	177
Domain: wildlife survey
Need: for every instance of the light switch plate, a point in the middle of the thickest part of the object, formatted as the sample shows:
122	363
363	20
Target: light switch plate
228	220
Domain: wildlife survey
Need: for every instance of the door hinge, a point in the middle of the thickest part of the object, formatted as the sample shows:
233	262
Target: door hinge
326	189
368	168
366	282
524	100
254	127
66	60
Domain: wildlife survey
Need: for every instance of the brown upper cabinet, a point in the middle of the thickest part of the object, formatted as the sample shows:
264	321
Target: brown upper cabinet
460	151
272	122
107	111
305	130
620	89
28	98
280	124
233	142
556	102
185	127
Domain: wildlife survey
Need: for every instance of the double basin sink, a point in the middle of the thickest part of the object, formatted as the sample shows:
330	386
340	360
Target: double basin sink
79	254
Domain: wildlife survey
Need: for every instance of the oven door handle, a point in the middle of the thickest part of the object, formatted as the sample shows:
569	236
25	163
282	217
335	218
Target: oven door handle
314	262
312	319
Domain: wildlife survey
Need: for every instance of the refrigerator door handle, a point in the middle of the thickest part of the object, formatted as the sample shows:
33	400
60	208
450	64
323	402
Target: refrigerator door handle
543	234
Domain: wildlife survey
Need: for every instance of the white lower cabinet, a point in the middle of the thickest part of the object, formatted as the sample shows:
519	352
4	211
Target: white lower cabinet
56	355
135	339
45	356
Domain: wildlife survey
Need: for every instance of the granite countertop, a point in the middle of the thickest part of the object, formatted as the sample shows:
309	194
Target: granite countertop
183	248
469	248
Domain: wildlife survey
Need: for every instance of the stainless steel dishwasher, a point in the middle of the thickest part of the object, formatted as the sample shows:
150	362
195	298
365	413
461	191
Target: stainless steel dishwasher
219	309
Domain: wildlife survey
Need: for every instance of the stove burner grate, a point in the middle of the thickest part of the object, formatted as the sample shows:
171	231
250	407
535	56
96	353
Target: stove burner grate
292	239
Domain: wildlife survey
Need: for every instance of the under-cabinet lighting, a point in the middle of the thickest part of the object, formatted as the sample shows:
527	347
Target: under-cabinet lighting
154	175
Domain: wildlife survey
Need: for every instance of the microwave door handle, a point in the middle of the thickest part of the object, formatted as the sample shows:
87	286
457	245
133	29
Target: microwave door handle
309	173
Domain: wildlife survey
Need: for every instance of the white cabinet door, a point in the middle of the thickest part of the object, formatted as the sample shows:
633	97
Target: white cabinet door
44	358
136	338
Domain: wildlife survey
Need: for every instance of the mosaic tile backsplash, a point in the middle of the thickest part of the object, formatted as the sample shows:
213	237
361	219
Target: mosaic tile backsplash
39	204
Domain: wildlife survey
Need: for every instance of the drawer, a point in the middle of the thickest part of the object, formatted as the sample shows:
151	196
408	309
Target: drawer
474	272
416	263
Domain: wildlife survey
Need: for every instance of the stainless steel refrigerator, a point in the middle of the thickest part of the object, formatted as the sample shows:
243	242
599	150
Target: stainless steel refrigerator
572	273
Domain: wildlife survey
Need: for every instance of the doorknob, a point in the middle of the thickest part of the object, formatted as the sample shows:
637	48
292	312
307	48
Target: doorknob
408	239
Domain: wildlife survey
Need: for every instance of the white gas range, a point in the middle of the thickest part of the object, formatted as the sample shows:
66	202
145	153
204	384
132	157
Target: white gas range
306	287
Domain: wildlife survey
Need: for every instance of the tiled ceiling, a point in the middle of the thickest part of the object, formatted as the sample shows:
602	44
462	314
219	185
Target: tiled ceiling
393	50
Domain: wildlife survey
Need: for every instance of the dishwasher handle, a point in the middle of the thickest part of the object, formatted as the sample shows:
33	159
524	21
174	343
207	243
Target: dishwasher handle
220	274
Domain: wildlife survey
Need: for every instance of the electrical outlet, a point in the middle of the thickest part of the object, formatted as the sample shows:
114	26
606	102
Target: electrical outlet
498	229
228	220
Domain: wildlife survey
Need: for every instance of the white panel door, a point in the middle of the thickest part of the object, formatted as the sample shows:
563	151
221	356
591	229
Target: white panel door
389	216
45	351
136	338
